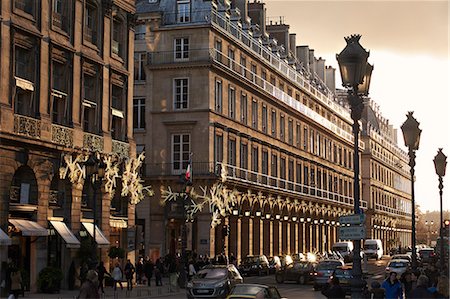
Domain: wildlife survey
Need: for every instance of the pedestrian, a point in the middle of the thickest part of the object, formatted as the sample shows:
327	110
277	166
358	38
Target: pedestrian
442	289
159	268
16	283
101	271
117	276
129	273
139	271
421	291
89	288
407	283
148	270
392	287
376	291
192	270
333	289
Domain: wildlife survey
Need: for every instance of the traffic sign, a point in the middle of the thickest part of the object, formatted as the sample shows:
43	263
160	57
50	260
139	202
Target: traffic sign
352	232
353	219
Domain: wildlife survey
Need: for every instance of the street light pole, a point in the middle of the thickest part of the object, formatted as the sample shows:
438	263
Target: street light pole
355	72
440	163
411	135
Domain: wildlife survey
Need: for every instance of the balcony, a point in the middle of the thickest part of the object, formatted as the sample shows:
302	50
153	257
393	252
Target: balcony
167	169
121	148
27	126
62	135
93	142
275	183
167	57
392	211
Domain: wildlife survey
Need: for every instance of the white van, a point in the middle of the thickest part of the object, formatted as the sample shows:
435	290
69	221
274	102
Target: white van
373	248
345	249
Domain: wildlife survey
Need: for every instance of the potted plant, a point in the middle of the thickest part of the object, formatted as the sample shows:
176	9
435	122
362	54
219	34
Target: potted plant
49	280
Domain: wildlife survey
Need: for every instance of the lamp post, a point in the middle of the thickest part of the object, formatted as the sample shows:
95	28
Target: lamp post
356	73
440	162
428	225
95	172
411	135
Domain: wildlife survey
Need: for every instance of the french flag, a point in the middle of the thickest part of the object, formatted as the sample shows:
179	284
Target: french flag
188	175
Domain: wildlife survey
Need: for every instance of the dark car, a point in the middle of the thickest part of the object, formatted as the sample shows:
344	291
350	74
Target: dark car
247	290
213	281
300	272
254	264
345	276
324	270
427	255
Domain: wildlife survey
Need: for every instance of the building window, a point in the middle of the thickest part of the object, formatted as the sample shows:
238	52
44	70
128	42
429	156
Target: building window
218	48
254	114
25	96
305	138
140	59
218	93
91	23
181	46
183	11
298	173
118	109
61	101
181	148
290	132
181	93
244	108
218	144
274	166
244	156
232	152
139	113
264	119
274	123
231	58
139	32
28	6
297	135
255	159
282	127
91	103
231	102
118	38
60	14
243	66
253	71
265	162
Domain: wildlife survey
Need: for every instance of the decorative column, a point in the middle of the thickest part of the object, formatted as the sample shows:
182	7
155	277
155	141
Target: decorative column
296	237
261	236
288	237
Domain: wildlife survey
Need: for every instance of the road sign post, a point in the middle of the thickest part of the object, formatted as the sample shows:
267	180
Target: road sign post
352	232
353	219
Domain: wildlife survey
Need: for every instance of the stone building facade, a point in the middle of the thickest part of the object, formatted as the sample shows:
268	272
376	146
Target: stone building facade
66	93
257	112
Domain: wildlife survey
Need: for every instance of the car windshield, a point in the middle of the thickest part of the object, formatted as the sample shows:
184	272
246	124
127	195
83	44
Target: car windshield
340	248
212	273
397	264
370	246
328	265
246	289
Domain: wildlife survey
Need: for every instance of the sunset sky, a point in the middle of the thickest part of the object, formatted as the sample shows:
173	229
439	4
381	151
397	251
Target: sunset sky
409	47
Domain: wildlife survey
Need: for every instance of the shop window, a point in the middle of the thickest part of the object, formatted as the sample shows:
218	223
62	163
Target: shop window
24	187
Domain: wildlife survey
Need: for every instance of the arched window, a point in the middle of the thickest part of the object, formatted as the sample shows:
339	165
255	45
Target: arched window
24	188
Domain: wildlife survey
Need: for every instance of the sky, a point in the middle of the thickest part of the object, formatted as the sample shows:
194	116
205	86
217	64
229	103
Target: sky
409	48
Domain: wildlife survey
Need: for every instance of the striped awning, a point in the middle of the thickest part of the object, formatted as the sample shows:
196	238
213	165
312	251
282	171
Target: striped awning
66	234
29	228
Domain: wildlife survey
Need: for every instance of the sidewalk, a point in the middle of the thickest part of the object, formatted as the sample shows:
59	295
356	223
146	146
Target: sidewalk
139	291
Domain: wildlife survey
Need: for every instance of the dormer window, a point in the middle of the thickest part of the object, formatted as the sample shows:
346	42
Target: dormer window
183	11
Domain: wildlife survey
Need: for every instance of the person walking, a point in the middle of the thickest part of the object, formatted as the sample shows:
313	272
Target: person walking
129	274
421	291
159	268
16	283
376	292
148	270
139	271
392	287
101	271
333	289
192	270
89	288
117	276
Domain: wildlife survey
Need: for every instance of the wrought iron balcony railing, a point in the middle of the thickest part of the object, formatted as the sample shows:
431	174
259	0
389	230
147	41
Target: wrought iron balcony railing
62	135
27	126
172	169
93	142
121	148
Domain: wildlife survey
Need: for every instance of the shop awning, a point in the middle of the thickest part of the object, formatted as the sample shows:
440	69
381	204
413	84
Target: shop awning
117	222
100	238
66	234
4	239
29	228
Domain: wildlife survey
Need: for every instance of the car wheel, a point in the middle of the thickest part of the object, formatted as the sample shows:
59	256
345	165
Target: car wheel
279	278
301	279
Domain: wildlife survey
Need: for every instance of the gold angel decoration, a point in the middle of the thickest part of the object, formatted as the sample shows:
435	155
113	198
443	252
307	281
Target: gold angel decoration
132	182
73	170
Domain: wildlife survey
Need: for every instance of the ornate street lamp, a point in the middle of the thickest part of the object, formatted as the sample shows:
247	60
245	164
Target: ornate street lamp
356	73
95	172
411	135
440	162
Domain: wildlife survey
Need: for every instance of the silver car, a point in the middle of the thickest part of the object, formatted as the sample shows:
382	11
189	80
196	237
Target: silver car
214	281
397	266
324	270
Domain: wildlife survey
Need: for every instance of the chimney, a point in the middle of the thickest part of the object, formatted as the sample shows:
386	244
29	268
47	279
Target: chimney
280	32
303	55
243	8
330	78
257	13
320	68
312	62
292	44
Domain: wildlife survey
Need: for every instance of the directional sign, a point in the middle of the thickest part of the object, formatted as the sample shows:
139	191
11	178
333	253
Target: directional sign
352	232
353	219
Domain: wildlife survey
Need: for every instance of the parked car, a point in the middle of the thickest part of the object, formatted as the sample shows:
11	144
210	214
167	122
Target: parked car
324	270
373	248
213	281
398	266
247	290
345	277
407	257
427	255
300	272
254	264
274	264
